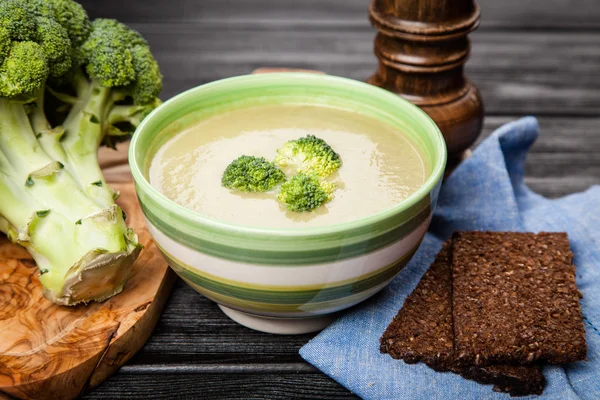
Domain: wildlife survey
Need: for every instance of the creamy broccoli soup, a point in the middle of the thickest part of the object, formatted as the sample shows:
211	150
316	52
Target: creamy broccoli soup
380	166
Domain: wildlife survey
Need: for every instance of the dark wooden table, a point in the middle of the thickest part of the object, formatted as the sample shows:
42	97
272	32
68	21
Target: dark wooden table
532	57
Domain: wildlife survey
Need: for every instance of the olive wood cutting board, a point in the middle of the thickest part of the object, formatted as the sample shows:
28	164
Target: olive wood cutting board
57	352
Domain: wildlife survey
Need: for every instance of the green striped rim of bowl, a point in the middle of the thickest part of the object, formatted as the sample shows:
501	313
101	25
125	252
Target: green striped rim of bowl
182	110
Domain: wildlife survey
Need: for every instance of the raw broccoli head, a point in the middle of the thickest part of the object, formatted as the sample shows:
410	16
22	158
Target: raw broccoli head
310	155
33	46
305	192
252	174
23	71
73	19
116	56
115	80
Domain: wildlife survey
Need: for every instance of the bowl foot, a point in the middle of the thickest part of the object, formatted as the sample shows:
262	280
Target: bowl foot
280	326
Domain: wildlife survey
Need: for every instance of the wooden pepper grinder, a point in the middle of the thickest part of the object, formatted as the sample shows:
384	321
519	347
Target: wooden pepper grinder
422	47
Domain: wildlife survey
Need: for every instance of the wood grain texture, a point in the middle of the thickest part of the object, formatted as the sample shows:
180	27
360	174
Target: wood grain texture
538	73
512	14
194	331
269	385
565	157
49	351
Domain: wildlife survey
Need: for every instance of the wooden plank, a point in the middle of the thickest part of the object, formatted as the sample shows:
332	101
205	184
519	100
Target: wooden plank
193	330
557	187
564	159
513	14
536	73
220	368
208	386
517	74
557	134
540	14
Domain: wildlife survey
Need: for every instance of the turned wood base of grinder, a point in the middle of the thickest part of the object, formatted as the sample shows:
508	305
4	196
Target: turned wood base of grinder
422	46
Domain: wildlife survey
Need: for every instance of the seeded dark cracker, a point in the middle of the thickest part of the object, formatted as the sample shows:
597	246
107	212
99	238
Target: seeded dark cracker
422	331
515	300
514	379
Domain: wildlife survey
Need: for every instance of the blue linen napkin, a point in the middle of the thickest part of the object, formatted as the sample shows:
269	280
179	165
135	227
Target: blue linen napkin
486	192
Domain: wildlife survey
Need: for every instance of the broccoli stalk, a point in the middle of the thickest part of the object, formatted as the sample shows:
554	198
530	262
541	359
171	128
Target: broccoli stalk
72	238
83	136
53	198
116	84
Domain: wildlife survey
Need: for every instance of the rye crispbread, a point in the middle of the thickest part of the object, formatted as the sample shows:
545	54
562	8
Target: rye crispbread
515	300
422	331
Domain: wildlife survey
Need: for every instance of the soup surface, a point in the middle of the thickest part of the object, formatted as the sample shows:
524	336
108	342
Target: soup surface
380	166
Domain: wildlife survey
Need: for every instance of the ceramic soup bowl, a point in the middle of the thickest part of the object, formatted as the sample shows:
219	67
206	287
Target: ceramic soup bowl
287	280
